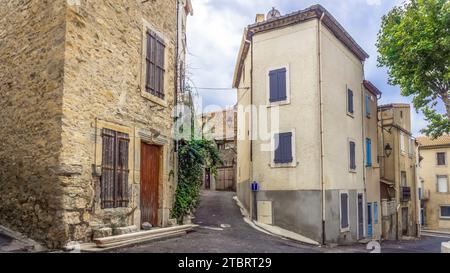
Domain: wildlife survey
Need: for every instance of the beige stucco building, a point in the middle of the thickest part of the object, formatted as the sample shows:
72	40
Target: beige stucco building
434	174
303	127
398	161
88	90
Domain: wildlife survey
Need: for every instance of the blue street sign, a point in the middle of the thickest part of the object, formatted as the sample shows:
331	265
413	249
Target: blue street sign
255	186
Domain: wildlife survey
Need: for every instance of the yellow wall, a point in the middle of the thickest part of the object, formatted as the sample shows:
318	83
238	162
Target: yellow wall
428	173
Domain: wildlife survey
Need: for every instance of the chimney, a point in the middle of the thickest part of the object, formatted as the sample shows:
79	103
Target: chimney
260	18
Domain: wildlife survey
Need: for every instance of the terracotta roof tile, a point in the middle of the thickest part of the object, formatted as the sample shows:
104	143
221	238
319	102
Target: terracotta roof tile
428	142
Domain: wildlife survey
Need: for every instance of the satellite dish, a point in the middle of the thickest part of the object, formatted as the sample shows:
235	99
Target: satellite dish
274	13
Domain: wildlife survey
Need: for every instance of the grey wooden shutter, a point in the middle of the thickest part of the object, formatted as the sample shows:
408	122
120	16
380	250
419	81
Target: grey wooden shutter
350	101
122	170
278	149
273	77
352	155
287	147
283	152
108	169
281	73
344	211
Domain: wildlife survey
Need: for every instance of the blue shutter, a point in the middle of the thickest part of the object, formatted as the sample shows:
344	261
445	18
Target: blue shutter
352	155
282	84
278	83
273	86
350	101
369	152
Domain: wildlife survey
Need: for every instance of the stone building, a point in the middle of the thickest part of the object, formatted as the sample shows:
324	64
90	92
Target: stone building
398	162
87	92
306	118
222	128
434	190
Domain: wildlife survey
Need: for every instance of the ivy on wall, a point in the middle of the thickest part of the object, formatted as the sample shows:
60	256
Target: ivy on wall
194	156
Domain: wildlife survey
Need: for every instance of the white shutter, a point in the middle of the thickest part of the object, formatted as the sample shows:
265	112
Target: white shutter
442	184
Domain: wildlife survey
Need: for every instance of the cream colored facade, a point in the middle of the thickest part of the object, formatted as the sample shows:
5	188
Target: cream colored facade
400	204
433	176
322	63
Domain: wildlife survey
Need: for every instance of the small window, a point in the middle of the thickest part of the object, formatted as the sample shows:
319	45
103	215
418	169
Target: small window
155	65
277	86
368	113
350	106
283	148
402	142
345	220
411	146
404	181
445	212
352	155
369	152
441	159
442	184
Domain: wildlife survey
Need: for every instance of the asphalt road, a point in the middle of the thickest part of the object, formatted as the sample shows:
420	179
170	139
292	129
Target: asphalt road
223	230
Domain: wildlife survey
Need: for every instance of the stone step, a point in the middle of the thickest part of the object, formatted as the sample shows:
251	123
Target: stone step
142	236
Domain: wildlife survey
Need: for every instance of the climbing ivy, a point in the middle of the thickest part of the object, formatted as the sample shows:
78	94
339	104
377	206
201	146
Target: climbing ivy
194	156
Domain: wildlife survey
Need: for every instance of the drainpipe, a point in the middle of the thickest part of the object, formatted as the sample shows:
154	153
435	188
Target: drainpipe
319	37
418	201
363	123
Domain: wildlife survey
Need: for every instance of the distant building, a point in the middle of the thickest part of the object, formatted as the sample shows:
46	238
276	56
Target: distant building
434	175
398	161
318	170
221	127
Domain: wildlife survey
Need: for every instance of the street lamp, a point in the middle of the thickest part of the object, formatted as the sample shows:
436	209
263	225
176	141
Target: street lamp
388	150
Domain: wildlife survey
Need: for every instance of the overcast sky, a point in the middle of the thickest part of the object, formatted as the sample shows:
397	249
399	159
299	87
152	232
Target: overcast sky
215	32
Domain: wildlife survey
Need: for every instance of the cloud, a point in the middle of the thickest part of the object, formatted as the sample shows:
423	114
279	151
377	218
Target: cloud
215	32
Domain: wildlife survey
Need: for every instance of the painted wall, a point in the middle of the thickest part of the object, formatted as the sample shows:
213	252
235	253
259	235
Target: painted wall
428	173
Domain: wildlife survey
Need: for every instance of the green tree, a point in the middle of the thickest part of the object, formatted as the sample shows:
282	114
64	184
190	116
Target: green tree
414	44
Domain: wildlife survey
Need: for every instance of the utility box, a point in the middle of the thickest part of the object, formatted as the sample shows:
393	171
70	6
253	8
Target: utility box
265	212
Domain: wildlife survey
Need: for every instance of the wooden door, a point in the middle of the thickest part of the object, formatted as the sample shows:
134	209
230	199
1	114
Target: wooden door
150	176
405	221
360	217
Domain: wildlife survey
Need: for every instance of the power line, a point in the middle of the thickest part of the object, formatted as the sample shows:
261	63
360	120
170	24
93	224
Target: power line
220	89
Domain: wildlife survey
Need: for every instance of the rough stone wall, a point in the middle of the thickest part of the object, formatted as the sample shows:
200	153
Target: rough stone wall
102	82
32	37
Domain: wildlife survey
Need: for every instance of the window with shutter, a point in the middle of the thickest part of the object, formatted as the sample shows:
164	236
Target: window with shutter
283	148
115	171
350	107
352	155
441	159
369	152
277	79
155	63
344	211
442	184
368	115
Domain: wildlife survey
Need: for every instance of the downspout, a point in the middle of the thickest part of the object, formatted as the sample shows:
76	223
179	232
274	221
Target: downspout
322	179
418	201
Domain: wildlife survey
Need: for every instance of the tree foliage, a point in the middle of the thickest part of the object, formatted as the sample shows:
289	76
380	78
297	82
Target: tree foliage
194	156
414	44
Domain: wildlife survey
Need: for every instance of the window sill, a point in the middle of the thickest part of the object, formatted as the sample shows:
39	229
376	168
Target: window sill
278	103
284	165
351	115
352	171
345	230
154	99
